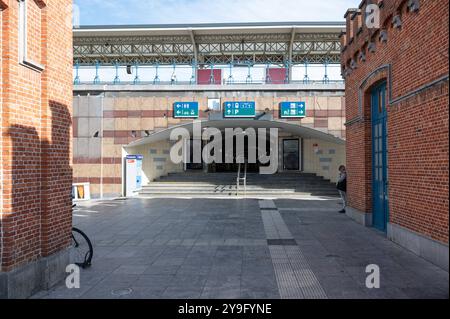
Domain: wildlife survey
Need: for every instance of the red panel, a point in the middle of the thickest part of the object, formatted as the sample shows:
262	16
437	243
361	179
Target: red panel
204	76
276	75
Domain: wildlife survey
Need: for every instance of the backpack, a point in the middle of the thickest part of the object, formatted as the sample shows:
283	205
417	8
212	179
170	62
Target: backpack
342	186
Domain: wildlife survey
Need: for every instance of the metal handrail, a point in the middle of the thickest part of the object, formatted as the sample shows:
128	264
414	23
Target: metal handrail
238	180
244	179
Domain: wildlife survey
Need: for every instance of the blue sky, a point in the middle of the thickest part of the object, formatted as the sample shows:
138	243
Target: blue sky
95	12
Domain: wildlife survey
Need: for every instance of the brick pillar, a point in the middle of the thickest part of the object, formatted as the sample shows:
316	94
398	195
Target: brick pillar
35	147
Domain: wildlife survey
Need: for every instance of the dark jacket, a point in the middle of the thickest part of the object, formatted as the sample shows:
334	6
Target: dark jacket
342	183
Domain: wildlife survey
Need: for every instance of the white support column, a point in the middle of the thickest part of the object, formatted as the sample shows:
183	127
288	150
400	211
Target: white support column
291	52
194	43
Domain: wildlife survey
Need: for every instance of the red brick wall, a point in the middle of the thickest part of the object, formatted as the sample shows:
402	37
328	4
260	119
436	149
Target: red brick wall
417	126
35	137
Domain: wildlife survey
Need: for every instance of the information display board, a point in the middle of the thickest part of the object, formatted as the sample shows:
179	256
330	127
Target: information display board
292	109
185	110
133	170
239	109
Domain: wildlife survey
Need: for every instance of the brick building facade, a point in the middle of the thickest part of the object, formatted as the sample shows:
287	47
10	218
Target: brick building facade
397	81
35	148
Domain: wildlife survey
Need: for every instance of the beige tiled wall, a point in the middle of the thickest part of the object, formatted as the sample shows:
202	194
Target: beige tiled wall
326	162
87	112
153	167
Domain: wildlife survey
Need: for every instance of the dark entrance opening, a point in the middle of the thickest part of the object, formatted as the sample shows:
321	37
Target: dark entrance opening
194	145
234	167
291	155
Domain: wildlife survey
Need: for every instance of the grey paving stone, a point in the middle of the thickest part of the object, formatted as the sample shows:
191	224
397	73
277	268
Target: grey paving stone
260	282
256	293
267	204
65	293
340	282
105	292
121	253
186	269
256	252
130	270
117	280
198	261
385	293
222	292
175	292
258	266
145	293
425	293
218	249
161	270
169	261
226	270
216	281
91	278
154	281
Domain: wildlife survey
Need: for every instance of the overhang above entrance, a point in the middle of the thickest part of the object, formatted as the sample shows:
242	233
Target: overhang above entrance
294	129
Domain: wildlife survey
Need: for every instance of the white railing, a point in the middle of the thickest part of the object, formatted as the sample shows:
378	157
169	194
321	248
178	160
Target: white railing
242	179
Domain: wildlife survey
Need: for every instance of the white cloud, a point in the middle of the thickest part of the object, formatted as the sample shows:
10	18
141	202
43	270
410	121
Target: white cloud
210	11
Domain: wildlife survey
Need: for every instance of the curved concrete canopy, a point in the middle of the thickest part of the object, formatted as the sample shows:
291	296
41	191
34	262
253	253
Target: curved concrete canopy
244	124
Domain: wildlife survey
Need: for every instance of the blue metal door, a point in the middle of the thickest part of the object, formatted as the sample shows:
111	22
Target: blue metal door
380	159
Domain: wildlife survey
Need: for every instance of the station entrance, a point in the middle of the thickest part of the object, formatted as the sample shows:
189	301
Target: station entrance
248	157
290	160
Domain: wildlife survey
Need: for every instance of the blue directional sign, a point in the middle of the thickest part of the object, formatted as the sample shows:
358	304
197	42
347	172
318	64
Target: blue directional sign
292	109
239	109
185	110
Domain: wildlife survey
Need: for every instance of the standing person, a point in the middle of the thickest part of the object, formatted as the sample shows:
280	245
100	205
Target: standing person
342	187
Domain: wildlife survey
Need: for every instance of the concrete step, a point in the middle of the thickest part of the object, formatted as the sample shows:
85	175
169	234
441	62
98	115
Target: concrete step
234	189
260	190
250	175
233	182
198	184
249	183
249	189
206	190
287	194
240	196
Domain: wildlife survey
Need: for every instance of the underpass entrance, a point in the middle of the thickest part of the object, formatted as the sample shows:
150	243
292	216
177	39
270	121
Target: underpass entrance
251	151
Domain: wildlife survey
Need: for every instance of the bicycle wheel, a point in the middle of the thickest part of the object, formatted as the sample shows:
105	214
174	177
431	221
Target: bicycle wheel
82	250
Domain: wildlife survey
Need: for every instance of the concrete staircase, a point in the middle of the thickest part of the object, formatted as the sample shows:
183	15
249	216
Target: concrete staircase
198	185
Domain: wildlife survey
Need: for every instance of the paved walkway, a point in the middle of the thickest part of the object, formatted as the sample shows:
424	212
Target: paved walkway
205	248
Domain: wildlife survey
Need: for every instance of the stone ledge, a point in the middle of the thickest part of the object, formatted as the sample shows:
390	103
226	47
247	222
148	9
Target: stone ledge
362	218
427	248
39	275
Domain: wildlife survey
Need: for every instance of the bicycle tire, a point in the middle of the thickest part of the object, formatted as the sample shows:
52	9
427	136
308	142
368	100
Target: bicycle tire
87	262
